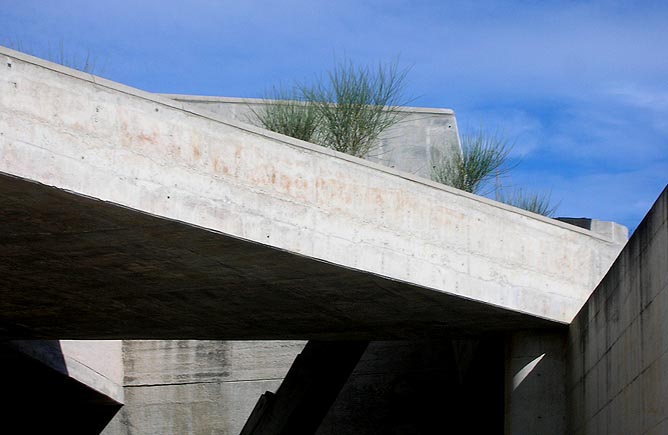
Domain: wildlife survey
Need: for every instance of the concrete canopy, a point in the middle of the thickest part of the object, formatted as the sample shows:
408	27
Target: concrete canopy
79	268
125	215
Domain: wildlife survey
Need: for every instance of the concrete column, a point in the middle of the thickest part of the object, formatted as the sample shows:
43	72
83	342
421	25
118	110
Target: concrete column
535	383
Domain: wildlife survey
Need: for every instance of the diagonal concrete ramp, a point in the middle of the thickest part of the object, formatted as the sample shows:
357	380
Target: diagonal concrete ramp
126	215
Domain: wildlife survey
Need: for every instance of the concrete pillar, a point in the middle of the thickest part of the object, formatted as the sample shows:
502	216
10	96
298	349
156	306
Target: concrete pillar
535	383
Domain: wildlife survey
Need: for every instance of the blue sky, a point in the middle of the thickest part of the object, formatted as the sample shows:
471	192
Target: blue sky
581	87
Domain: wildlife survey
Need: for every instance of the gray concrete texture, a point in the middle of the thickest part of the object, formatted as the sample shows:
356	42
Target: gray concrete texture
105	272
264	200
535	365
197	387
609	230
150	194
210	387
618	343
421	136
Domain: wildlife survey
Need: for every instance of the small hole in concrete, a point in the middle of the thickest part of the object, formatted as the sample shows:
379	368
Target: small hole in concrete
167	196
156	109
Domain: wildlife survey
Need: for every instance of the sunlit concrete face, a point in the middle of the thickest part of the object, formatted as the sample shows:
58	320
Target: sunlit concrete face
421	135
183	225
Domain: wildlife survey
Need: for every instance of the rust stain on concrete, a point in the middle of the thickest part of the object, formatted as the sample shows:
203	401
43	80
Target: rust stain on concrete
150	138
286	183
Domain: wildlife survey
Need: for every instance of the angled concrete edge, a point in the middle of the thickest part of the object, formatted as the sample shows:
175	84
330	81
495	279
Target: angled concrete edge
172	100
85	361
108	141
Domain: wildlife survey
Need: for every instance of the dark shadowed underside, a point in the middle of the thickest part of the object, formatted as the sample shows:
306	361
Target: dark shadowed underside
80	268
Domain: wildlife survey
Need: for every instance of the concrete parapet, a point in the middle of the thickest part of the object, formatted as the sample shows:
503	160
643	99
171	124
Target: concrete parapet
423	135
612	231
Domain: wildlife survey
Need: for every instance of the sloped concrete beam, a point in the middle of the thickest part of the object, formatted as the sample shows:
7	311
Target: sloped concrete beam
175	216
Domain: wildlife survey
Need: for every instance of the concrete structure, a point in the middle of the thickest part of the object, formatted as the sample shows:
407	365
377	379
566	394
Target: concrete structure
126	215
202	387
423	135
205	210
618	343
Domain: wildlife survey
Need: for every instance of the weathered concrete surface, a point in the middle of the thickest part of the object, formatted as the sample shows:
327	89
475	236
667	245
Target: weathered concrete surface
79	268
248	225
175	387
203	387
618	343
609	230
535	383
423	135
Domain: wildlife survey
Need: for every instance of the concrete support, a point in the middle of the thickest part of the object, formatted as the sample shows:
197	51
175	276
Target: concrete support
175	387
307	392
535	377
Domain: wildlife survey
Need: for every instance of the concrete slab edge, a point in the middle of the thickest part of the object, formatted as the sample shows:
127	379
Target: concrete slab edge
157	99
239	100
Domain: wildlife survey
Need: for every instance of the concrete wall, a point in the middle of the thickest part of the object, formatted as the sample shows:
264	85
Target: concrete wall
104	140
422	135
197	387
618	343
535	365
